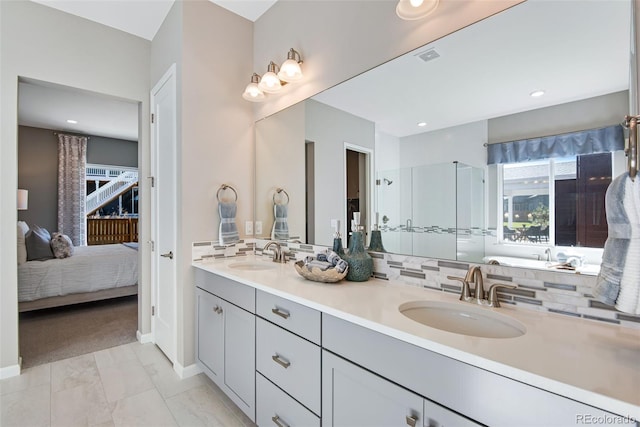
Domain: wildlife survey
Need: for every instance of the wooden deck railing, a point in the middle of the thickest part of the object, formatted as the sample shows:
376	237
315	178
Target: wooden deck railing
104	231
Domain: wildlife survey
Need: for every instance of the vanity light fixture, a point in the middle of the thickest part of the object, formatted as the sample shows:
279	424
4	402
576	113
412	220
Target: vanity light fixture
252	92
415	9
270	82
290	70
536	93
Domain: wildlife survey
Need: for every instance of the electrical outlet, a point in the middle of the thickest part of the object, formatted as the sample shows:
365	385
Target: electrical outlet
248	228
258	228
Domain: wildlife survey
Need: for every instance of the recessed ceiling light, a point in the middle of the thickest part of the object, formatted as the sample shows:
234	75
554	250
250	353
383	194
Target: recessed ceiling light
73	122
536	93
422	124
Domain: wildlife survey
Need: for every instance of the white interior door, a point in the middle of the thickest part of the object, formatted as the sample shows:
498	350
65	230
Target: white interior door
164	208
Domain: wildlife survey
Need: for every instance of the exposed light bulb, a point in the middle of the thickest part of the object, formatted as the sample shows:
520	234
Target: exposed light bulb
73	122
422	124
536	93
416	3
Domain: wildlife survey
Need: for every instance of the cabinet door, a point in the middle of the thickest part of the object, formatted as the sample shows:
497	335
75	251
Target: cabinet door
210	330
239	352
352	396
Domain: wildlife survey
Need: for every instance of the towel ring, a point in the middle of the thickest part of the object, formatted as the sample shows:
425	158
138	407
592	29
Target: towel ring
224	187
278	191
631	122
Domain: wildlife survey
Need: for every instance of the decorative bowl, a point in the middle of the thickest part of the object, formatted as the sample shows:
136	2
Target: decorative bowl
315	274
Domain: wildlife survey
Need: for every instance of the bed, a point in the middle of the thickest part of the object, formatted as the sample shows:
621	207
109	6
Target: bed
92	273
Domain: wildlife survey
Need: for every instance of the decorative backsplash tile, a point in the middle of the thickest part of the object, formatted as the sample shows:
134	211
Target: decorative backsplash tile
563	293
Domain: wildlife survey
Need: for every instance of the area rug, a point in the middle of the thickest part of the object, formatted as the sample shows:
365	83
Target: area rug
59	333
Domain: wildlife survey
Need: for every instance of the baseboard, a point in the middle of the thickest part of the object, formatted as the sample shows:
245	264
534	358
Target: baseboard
186	371
9	371
144	338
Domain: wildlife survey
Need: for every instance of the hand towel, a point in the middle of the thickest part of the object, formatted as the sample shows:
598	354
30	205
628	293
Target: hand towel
615	248
280	230
228	231
629	297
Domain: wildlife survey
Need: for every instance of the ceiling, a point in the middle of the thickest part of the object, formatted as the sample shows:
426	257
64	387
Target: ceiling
49	106
489	69
483	71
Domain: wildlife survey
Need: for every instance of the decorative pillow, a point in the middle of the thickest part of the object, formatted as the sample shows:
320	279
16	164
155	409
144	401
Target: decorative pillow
23	228
37	241
61	245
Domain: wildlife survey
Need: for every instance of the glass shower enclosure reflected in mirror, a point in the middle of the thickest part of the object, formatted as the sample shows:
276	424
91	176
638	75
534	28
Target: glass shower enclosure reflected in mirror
434	211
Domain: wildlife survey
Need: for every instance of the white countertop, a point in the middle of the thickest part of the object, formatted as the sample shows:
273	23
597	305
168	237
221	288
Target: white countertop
588	361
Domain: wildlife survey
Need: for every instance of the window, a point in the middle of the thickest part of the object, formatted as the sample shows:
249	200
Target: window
556	201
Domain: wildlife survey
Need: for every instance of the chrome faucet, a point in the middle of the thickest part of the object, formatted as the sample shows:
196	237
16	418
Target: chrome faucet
278	254
547	253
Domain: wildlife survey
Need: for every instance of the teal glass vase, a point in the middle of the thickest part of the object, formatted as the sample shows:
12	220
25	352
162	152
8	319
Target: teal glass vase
376	241
360	262
337	247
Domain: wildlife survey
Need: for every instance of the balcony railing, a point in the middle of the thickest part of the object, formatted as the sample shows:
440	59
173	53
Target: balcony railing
104	231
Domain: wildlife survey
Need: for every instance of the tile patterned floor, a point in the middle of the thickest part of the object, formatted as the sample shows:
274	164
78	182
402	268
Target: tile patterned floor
129	385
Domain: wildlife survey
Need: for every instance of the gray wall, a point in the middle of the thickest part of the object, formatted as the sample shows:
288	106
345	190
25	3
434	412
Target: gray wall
38	169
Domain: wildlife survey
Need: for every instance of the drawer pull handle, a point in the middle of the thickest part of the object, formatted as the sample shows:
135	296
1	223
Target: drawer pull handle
277	421
280	313
285	364
412	420
217	309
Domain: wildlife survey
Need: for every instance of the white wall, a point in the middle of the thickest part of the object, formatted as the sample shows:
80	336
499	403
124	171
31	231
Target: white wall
464	143
340	39
42	43
280	163
330	128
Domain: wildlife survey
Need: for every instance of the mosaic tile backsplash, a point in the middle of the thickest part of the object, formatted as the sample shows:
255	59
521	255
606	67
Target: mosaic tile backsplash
563	293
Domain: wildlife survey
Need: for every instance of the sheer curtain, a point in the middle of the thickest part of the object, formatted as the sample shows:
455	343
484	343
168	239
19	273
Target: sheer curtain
72	159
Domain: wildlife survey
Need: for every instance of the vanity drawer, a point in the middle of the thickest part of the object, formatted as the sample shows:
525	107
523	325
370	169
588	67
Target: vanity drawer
275	407
297	318
290	362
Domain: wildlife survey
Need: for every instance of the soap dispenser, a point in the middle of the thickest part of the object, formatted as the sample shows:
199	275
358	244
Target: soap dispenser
360	262
337	240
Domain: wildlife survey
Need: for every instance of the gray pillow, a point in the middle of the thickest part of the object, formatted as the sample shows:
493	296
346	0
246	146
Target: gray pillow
61	245
37	241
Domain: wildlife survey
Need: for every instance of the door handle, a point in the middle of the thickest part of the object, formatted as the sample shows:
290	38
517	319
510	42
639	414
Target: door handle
167	255
280	313
280	361
278	421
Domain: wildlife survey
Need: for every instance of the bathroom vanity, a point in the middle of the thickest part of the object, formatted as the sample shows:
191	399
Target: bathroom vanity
293	352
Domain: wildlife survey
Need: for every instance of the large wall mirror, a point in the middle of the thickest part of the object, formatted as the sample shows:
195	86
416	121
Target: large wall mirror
440	149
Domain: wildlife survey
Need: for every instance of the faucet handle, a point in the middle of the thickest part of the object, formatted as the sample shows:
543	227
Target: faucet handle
465	295
493	293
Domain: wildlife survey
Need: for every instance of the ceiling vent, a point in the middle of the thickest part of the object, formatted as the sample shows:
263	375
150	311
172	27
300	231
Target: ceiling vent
428	55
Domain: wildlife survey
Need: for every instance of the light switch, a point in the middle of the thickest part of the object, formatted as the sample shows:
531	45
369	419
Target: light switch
258	228
248	228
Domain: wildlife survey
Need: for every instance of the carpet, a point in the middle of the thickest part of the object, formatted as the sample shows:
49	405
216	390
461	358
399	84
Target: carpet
59	333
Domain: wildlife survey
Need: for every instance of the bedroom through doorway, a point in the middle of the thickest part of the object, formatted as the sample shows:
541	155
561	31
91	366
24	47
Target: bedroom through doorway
78	260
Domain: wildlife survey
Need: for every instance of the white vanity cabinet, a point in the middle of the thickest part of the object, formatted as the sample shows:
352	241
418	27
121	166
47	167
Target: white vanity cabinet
353	396
288	359
225	342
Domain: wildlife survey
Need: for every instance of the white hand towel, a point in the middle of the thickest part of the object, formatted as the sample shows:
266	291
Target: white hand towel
629	297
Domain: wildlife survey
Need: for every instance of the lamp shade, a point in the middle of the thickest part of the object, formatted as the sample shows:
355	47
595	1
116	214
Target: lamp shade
415	9
270	82
23	200
252	92
290	70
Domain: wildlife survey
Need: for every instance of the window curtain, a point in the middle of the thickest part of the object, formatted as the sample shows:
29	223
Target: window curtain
600	140
72	160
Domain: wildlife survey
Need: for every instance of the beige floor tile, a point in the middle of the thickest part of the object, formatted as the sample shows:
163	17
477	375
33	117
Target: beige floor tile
149	354
201	407
144	409
28	378
115	355
167	380
73	372
30	407
224	399
85	405
124	379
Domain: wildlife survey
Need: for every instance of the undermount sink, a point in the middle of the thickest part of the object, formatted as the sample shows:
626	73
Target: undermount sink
253	265
462	318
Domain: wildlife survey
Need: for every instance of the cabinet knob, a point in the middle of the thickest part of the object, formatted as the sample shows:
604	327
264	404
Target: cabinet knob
217	309
280	361
277	421
279	312
411	420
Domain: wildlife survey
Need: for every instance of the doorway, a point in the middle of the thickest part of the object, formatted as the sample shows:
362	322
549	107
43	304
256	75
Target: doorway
358	169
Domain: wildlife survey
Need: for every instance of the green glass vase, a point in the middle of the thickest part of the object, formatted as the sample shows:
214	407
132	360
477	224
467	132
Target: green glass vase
375	244
360	262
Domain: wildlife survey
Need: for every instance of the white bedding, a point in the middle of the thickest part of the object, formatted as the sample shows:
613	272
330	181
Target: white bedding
91	268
